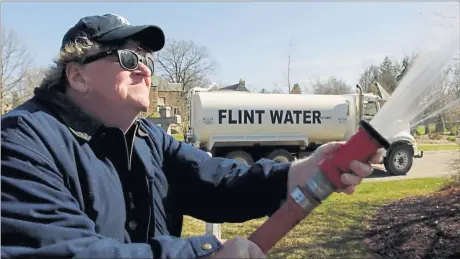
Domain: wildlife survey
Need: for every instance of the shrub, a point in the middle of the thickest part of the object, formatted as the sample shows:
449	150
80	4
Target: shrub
452	138
434	136
454	180
154	115
454	131
431	128
420	130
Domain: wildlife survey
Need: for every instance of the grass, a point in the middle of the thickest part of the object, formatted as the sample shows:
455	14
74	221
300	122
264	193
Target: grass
429	147
451	138
432	128
178	137
335	229
436	147
421	129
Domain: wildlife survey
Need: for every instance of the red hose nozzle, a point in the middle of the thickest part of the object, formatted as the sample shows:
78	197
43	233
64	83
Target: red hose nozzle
303	199
361	147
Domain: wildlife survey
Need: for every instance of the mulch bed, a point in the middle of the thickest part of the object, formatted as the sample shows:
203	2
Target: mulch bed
417	227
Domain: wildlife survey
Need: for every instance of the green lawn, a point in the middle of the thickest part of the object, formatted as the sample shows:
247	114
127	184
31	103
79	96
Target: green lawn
435	147
429	147
178	137
335	228
432	128
421	129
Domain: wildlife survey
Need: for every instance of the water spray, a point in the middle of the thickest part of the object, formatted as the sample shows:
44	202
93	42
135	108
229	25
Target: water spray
409	100
302	200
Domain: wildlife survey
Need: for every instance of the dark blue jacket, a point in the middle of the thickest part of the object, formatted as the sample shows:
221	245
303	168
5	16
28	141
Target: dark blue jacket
68	194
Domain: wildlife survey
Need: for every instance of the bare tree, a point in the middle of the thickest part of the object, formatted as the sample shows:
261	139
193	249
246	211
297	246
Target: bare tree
264	91
276	89
447	106
450	103
406	64
440	102
15	67
186	63
331	86
32	80
455	83
368	77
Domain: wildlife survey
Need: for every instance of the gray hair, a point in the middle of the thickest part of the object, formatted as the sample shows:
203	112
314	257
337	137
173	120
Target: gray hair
72	52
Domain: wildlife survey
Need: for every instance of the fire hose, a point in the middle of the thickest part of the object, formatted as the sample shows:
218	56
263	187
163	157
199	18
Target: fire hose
304	199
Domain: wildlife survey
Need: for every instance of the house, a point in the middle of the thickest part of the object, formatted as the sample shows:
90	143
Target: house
241	86
164	94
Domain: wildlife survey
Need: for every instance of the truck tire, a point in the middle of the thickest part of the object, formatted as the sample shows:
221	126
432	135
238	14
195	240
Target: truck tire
241	156
399	159
281	156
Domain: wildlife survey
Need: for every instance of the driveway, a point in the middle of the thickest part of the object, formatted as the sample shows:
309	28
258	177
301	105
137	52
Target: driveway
432	164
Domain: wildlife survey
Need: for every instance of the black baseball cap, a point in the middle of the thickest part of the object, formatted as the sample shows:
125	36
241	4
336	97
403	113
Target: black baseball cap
112	28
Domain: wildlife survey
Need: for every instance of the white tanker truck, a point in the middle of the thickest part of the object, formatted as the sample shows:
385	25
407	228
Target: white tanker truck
250	126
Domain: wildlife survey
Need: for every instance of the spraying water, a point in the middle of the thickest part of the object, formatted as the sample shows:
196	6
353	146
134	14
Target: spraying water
449	104
419	88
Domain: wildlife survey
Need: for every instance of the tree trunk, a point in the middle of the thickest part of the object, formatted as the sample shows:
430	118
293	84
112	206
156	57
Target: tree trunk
439	124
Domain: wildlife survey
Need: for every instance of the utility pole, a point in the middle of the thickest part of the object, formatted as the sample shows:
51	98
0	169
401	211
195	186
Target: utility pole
289	69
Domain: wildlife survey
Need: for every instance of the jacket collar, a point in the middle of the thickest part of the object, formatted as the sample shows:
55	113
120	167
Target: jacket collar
79	122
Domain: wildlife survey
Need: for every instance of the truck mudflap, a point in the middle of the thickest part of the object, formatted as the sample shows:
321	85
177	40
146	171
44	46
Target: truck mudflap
419	156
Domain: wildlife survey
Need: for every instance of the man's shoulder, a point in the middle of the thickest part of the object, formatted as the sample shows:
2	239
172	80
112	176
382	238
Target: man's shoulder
31	118
158	135
151	127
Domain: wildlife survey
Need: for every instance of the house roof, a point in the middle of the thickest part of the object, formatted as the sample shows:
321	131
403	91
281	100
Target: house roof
159	84
235	87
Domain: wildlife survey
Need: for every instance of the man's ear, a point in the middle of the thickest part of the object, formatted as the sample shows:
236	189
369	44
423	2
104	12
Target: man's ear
74	73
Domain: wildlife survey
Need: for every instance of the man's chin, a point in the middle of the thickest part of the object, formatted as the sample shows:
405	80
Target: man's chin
144	106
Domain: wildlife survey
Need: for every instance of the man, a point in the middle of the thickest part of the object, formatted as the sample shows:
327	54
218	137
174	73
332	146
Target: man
83	178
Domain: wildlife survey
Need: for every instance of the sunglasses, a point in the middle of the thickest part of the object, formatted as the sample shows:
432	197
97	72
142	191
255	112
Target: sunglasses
127	58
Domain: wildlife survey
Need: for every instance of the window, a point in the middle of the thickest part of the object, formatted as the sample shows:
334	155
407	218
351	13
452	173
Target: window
161	101
370	109
348	107
176	111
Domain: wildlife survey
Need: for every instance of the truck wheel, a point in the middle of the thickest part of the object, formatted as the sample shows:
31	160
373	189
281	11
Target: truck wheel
399	159
241	156
281	156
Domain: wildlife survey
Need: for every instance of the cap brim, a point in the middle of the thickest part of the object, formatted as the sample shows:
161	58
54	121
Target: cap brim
150	36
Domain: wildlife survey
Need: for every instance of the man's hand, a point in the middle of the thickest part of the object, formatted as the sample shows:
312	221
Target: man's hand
303	169
238	247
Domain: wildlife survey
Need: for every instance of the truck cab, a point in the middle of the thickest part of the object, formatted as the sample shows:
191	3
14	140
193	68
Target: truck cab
398	159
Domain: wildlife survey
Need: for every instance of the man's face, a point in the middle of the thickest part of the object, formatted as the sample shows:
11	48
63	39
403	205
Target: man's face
109	84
